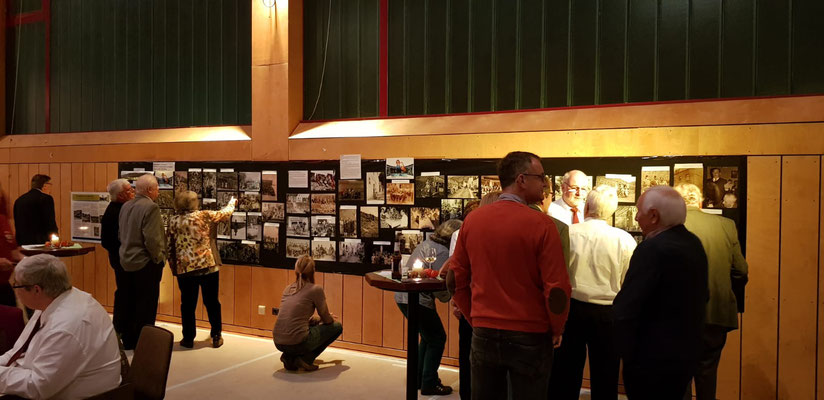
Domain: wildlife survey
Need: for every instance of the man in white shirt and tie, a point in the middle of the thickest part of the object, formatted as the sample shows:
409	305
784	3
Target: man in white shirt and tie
599	259
569	209
68	350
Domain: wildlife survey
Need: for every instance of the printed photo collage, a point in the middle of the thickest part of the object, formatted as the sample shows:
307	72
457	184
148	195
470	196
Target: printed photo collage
288	209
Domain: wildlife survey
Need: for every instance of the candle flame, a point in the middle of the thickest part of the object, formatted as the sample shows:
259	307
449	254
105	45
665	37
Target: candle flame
418	264
54	238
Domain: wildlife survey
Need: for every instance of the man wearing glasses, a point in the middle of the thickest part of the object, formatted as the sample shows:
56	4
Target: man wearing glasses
34	213
68	350
569	209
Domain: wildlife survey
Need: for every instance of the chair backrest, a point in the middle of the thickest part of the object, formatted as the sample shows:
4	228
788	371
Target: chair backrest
122	392
11	325
150	364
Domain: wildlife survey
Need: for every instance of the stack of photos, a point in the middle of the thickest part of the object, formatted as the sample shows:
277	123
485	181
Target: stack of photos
408	240
209	183
350	190
430	187
654	176
323	203
394	218
369	222
402	193
323	225
625	218
451	209
425	218
323	250
227	181
348	221
322	181
273	212
490	183
295	248
351	251
297	226
721	187
271	237
375	192
249	181
623	184
297	203
462	186
181	181
269	186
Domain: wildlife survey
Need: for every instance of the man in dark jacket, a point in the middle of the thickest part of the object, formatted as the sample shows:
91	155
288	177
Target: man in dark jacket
659	312
34	213
120	191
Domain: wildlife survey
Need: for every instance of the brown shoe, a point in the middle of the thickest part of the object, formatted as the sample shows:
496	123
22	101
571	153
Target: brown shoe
300	363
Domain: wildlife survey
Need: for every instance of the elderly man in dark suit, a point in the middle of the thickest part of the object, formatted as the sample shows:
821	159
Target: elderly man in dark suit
659	312
34	213
142	256
120	191
719	237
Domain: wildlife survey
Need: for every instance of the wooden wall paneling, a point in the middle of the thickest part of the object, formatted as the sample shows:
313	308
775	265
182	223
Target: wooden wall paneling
111	174
44	169
353	308
393	325
175	298
165	301
243	299
12	189
372	315
78	263
759	352
101	258
24	181
453	333
4	185
798	273
66	216
89	268
729	369
57	195
443	313
34	169
820	321
333	286
267	286
227	294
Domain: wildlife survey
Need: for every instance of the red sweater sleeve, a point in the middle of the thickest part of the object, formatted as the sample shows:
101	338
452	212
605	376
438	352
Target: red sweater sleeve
555	277
459	264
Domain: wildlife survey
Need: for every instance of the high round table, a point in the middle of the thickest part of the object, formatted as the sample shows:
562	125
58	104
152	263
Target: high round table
413	287
67	252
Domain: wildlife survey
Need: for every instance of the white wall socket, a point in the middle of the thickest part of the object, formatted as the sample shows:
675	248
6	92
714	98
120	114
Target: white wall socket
261	310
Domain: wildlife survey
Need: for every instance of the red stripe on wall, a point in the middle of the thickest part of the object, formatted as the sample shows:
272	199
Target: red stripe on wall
384	58
27	18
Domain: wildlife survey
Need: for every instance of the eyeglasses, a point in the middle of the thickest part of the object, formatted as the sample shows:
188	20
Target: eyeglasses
535	175
577	189
21	286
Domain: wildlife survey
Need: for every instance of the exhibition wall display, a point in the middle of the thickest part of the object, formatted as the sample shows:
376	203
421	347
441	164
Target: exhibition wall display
288	209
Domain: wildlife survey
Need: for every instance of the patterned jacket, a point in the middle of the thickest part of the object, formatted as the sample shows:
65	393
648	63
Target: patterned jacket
192	240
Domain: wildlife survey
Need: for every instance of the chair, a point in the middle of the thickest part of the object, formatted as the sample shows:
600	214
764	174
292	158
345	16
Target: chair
150	364
123	392
11	325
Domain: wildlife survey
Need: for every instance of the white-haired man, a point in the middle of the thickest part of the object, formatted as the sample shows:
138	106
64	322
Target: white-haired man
719	237
69	349
599	259
569	209
120	191
659	312
142	256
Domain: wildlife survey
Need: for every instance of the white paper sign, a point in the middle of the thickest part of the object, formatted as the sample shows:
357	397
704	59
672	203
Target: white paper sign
163	166
87	212
350	166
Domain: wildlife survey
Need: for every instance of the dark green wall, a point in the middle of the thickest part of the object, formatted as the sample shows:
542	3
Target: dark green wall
455	56
125	64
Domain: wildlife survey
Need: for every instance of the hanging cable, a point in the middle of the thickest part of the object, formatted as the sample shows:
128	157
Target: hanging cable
17	69
323	69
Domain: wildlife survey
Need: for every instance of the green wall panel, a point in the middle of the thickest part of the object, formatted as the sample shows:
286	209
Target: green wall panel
456	56
26	95
124	64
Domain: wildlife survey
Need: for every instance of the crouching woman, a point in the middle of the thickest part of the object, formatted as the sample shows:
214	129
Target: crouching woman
298	333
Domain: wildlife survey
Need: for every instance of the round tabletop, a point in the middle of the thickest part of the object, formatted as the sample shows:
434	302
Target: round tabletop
63	252
379	281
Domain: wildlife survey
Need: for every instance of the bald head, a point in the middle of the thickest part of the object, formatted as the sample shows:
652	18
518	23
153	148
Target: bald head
146	185
660	208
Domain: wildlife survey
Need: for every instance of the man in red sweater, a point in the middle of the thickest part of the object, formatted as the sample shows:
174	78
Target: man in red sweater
511	284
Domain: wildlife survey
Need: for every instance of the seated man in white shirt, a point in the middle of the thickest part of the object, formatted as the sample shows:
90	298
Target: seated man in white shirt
68	350
599	259
569	209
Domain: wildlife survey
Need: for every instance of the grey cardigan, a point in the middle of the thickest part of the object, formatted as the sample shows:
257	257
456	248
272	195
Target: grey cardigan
142	239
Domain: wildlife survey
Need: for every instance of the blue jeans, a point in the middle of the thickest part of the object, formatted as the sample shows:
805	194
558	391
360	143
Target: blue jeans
523	356
318	339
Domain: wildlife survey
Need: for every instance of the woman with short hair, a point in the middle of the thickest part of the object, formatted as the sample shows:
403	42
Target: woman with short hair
195	261
298	333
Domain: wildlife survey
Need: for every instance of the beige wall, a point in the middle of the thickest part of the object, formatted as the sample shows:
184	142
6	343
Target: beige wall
776	354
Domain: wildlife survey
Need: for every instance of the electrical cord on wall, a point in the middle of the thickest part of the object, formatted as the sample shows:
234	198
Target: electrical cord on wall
323	69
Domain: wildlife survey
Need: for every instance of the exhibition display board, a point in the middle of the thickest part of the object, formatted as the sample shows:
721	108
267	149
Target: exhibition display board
287	209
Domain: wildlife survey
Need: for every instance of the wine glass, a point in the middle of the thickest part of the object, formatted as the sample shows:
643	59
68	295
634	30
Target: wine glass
430	254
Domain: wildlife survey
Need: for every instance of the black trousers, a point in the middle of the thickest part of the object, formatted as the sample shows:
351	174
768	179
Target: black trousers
119	312
714	338
663	380
140	298
209	284
430	348
509	362
464	347
589	329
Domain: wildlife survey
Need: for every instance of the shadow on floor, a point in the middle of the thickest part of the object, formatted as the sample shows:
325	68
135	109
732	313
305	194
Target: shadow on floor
327	371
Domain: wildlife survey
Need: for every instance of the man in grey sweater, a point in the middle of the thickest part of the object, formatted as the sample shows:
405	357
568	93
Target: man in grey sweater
142	256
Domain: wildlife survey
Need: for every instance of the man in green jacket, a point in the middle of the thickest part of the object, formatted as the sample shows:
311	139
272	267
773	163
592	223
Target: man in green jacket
719	237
